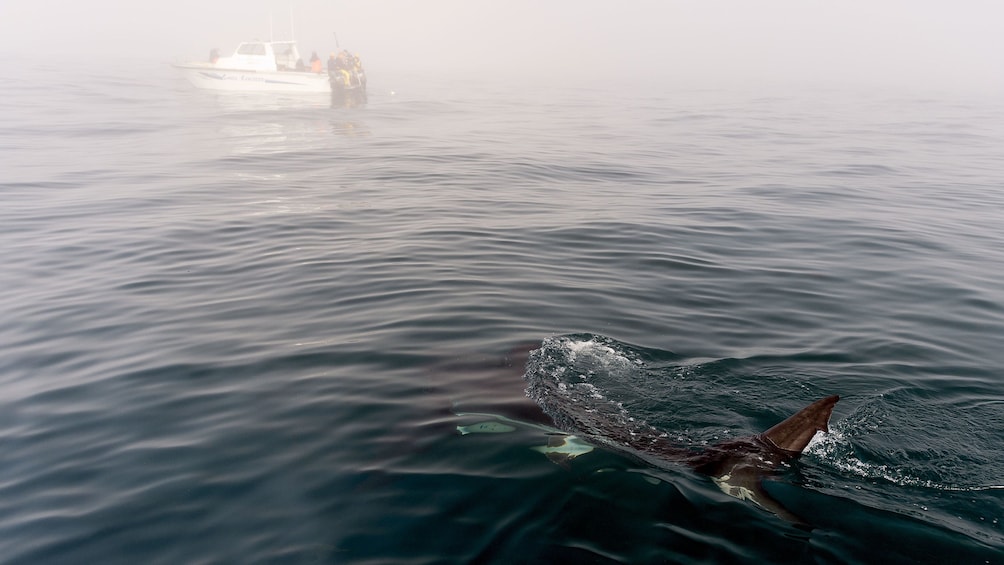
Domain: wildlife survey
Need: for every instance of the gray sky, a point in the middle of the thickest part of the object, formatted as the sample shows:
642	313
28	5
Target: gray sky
957	43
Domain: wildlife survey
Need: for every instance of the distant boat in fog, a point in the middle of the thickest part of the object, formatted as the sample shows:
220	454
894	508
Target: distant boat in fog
276	66
263	66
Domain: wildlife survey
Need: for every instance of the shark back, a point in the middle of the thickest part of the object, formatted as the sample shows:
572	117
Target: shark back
793	434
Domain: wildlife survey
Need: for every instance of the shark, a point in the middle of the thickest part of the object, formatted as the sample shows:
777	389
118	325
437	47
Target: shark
738	467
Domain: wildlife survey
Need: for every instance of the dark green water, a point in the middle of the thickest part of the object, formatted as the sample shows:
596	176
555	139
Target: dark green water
241	330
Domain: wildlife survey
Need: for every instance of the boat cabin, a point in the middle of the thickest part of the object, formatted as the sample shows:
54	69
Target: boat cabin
262	56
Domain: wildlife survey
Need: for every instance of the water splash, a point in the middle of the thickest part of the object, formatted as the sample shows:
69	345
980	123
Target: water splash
837	450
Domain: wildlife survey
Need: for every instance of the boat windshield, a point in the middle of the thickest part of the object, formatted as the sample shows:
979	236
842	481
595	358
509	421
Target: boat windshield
251	49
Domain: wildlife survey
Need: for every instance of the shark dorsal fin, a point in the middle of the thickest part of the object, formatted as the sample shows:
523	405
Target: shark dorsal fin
795	433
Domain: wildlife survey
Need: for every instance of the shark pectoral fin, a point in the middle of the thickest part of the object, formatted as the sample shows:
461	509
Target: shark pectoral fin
793	434
740	491
774	506
754	492
560	449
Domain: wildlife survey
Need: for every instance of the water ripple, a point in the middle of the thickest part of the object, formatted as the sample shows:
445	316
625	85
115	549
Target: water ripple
240	330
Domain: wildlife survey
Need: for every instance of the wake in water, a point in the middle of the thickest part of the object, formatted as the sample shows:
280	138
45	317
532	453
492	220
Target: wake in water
837	450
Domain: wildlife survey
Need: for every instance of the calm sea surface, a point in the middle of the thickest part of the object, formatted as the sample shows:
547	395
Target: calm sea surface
241	329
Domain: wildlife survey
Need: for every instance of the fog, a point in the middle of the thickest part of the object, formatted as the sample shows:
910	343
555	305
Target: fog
917	43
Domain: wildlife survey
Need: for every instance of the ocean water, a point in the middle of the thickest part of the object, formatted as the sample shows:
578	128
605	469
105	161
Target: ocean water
252	329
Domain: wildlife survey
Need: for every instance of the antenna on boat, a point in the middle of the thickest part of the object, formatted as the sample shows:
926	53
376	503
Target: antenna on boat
270	38
337	46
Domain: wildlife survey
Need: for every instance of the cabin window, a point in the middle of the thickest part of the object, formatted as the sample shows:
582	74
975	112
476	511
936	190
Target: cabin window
251	49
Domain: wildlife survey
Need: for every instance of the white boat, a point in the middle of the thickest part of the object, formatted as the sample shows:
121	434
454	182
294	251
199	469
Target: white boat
261	66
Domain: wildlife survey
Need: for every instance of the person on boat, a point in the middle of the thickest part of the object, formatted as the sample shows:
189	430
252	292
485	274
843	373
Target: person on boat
341	66
300	66
214	55
343	60
357	70
315	63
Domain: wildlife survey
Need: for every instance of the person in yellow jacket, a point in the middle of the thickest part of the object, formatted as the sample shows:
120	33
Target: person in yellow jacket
341	65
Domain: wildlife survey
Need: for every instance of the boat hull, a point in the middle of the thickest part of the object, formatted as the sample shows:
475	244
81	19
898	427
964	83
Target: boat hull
214	78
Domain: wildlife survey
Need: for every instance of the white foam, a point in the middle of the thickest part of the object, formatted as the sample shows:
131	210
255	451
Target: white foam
596	350
835	449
